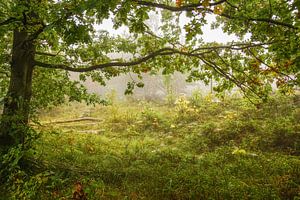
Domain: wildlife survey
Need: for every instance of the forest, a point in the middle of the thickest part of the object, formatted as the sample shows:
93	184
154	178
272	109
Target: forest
149	99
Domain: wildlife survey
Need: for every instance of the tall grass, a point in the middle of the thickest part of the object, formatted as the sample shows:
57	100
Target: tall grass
192	150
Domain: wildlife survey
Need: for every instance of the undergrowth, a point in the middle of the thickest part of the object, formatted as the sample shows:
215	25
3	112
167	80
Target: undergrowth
191	150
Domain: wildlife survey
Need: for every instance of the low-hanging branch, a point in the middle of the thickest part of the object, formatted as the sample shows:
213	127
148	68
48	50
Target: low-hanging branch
197	53
239	71
231	78
160	52
269	66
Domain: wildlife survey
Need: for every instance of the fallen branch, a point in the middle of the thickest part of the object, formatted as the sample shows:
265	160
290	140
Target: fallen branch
74	120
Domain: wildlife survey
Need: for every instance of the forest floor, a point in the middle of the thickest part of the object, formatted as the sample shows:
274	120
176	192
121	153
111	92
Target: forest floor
191	150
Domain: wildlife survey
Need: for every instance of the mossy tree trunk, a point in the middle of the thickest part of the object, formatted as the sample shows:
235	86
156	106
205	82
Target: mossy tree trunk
17	102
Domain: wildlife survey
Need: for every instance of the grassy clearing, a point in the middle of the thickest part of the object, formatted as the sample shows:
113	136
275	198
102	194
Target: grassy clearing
228	150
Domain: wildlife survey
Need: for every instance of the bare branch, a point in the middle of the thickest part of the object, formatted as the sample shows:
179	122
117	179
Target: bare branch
221	72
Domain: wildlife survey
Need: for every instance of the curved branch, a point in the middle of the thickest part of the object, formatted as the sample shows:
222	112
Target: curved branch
266	20
189	7
160	52
233	46
164	51
231	78
239	71
270	67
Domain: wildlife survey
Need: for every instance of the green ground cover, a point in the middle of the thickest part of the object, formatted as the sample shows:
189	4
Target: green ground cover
191	150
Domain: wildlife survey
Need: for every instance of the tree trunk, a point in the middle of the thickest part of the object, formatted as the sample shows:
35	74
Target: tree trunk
16	110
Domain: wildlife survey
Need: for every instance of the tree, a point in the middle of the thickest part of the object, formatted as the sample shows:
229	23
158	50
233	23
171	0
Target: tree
41	40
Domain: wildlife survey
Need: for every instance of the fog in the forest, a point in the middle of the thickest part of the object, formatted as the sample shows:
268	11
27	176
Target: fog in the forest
157	87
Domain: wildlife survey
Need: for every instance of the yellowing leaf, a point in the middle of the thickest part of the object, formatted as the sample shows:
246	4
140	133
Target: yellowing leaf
184	49
205	3
178	3
218	9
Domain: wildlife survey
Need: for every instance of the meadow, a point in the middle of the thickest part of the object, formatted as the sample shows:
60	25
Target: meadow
193	149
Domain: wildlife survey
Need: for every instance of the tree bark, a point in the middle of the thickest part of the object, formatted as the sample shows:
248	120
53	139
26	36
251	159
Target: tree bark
16	110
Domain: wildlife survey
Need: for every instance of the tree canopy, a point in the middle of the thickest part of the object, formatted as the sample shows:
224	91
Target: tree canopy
65	38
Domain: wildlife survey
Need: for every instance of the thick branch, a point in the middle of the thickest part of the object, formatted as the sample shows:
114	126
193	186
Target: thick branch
35	35
199	6
189	7
112	64
160	52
